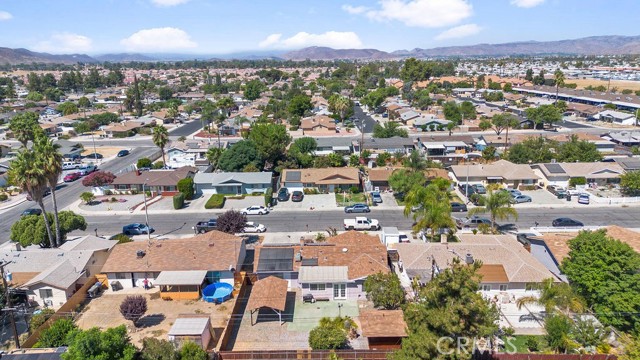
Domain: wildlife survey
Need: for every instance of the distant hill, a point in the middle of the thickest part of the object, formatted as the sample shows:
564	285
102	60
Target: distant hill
24	56
124	57
326	53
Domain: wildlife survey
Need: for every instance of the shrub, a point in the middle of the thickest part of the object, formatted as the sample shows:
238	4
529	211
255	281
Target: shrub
185	186
87	197
133	308
532	343
354	190
577	181
268	196
310	191
327	338
178	201
231	222
38	319
293	128
108	192
56	334
98	178
144	163
216	201
4	197
121	238
157	165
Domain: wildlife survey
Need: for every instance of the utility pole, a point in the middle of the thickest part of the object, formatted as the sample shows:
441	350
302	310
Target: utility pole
9	308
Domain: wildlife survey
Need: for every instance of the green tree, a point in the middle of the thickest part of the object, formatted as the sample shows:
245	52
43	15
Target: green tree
403	180
31	230
213	155
385	290
433	208
587	333
68	108
631	347
34	96
555	296
185	186
165	93
576	150
529	75
340	106
87	197
160	138
498	205
452	112
544	114
559	79
558	329
389	129
604	272
112	344
415	161
305	145
24	127
144	163
50	159
468	110
489	153
329	335
157	349
192	351
299	104
238	156
56	335
450	306
253	89
630	183
532	150
274	148
84	103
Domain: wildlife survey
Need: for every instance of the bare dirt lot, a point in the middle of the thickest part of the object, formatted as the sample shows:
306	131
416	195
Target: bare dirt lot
620	84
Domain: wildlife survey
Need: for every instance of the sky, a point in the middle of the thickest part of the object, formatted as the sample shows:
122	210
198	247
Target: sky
231	26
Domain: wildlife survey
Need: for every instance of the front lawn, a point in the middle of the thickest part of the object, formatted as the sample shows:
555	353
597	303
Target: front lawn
520	343
347	199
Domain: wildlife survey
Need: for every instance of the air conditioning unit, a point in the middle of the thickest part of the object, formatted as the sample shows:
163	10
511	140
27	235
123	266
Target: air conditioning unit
48	302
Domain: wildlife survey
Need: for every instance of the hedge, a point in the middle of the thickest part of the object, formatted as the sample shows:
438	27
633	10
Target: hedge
185	186
4	197
268	196
178	201
216	201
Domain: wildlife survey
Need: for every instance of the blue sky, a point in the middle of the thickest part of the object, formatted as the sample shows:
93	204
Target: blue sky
226	26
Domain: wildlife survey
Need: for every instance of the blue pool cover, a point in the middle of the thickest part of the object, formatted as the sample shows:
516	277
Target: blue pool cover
217	292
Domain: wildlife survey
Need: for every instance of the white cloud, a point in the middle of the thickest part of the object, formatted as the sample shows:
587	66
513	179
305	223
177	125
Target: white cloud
526	3
354	9
419	13
334	39
159	39
166	3
459	32
65	42
4	16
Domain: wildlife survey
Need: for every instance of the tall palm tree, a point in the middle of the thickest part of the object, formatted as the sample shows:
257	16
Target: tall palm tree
497	204
339	106
26	172
559	78
560	296
432	208
51	161
172	112
213	155
161	138
415	162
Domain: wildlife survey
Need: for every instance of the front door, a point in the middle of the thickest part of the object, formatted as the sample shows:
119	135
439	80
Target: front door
339	291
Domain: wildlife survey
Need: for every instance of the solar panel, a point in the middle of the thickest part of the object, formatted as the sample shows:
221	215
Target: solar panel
293	176
275	259
554	168
310	262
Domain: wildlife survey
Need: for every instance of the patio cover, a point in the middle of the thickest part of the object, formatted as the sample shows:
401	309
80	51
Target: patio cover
193	277
270	292
323	274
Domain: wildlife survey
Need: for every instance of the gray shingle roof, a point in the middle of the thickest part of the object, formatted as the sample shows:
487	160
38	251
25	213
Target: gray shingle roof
236	177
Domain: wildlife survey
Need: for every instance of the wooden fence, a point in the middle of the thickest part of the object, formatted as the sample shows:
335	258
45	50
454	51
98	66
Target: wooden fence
238	308
304	354
67	310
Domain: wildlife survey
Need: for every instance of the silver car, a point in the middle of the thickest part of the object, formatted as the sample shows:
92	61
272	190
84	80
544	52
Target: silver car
521	199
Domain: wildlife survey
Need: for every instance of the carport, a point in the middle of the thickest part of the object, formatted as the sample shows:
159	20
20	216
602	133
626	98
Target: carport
270	292
180	285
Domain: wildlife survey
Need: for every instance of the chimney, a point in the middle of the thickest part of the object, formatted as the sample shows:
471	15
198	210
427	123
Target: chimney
138	172
443	238
140	254
469	259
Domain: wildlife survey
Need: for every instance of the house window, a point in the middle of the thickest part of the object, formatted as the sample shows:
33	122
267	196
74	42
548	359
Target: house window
317	287
503	287
121	276
531	286
46	293
486	287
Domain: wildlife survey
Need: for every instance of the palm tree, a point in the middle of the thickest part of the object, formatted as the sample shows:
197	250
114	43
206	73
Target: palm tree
161	138
51	161
172	112
432	208
339	106
226	104
213	155
24	127
219	119
27	172
559	78
498	204
555	296
415	162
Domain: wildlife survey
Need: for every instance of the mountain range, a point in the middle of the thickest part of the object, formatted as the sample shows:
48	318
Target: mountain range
596	45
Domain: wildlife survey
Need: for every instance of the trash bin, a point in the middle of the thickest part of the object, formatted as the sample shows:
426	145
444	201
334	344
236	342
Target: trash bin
274	201
568	197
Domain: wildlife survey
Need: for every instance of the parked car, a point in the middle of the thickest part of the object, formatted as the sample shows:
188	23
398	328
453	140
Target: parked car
512	192
255	210
376	198
206	226
297	196
467	190
357	208
283	194
361	223
137	229
583	199
458	207
521	199
87	169
558	191
471	222
94	156
251	227
72	177
31	212
123	153
479	188
70	165
566	222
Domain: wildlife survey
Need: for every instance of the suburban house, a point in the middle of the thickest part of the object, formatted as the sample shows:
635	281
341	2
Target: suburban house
599	173
628	164
506	263
384	329
163	182
50	129
232	182
318	123
214	257
500	172
333	145
451	151
378	178
616	117
336	269
278	261
391	145
430	123
51	276
626	138
127	129
326	180
188	154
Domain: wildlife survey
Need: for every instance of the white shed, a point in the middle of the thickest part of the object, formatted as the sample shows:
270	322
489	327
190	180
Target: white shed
195	329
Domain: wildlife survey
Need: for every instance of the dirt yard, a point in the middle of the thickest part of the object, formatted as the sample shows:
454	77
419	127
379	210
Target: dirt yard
104	312
620	84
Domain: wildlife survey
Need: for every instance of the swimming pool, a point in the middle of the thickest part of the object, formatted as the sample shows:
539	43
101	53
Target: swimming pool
218	292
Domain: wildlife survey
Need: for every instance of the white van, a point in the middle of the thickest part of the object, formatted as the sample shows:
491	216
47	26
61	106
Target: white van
70	165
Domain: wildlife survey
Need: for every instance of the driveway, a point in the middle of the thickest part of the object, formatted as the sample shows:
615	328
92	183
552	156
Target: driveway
542	197
238	204
318	202
388	201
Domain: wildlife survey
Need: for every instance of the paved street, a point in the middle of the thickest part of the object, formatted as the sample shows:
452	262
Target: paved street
186	129
369	122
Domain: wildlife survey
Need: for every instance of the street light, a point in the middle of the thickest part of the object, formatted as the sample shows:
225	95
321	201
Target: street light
466	186
146	213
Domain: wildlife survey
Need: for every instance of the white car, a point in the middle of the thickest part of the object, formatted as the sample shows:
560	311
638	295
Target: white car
251	227
255	210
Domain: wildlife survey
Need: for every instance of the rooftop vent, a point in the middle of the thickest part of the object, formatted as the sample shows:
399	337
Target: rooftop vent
469	259
344	250
211	244
140	254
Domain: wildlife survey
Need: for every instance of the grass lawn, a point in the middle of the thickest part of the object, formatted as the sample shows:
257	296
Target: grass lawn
520	341
350	199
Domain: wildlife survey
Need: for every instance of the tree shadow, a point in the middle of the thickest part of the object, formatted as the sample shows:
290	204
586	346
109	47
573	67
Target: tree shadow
150	320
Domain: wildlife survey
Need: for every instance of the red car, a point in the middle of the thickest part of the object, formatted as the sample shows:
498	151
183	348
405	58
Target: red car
72	177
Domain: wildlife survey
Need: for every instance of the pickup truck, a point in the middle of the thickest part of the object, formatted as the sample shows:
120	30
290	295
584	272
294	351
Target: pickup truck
361	223
206	226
